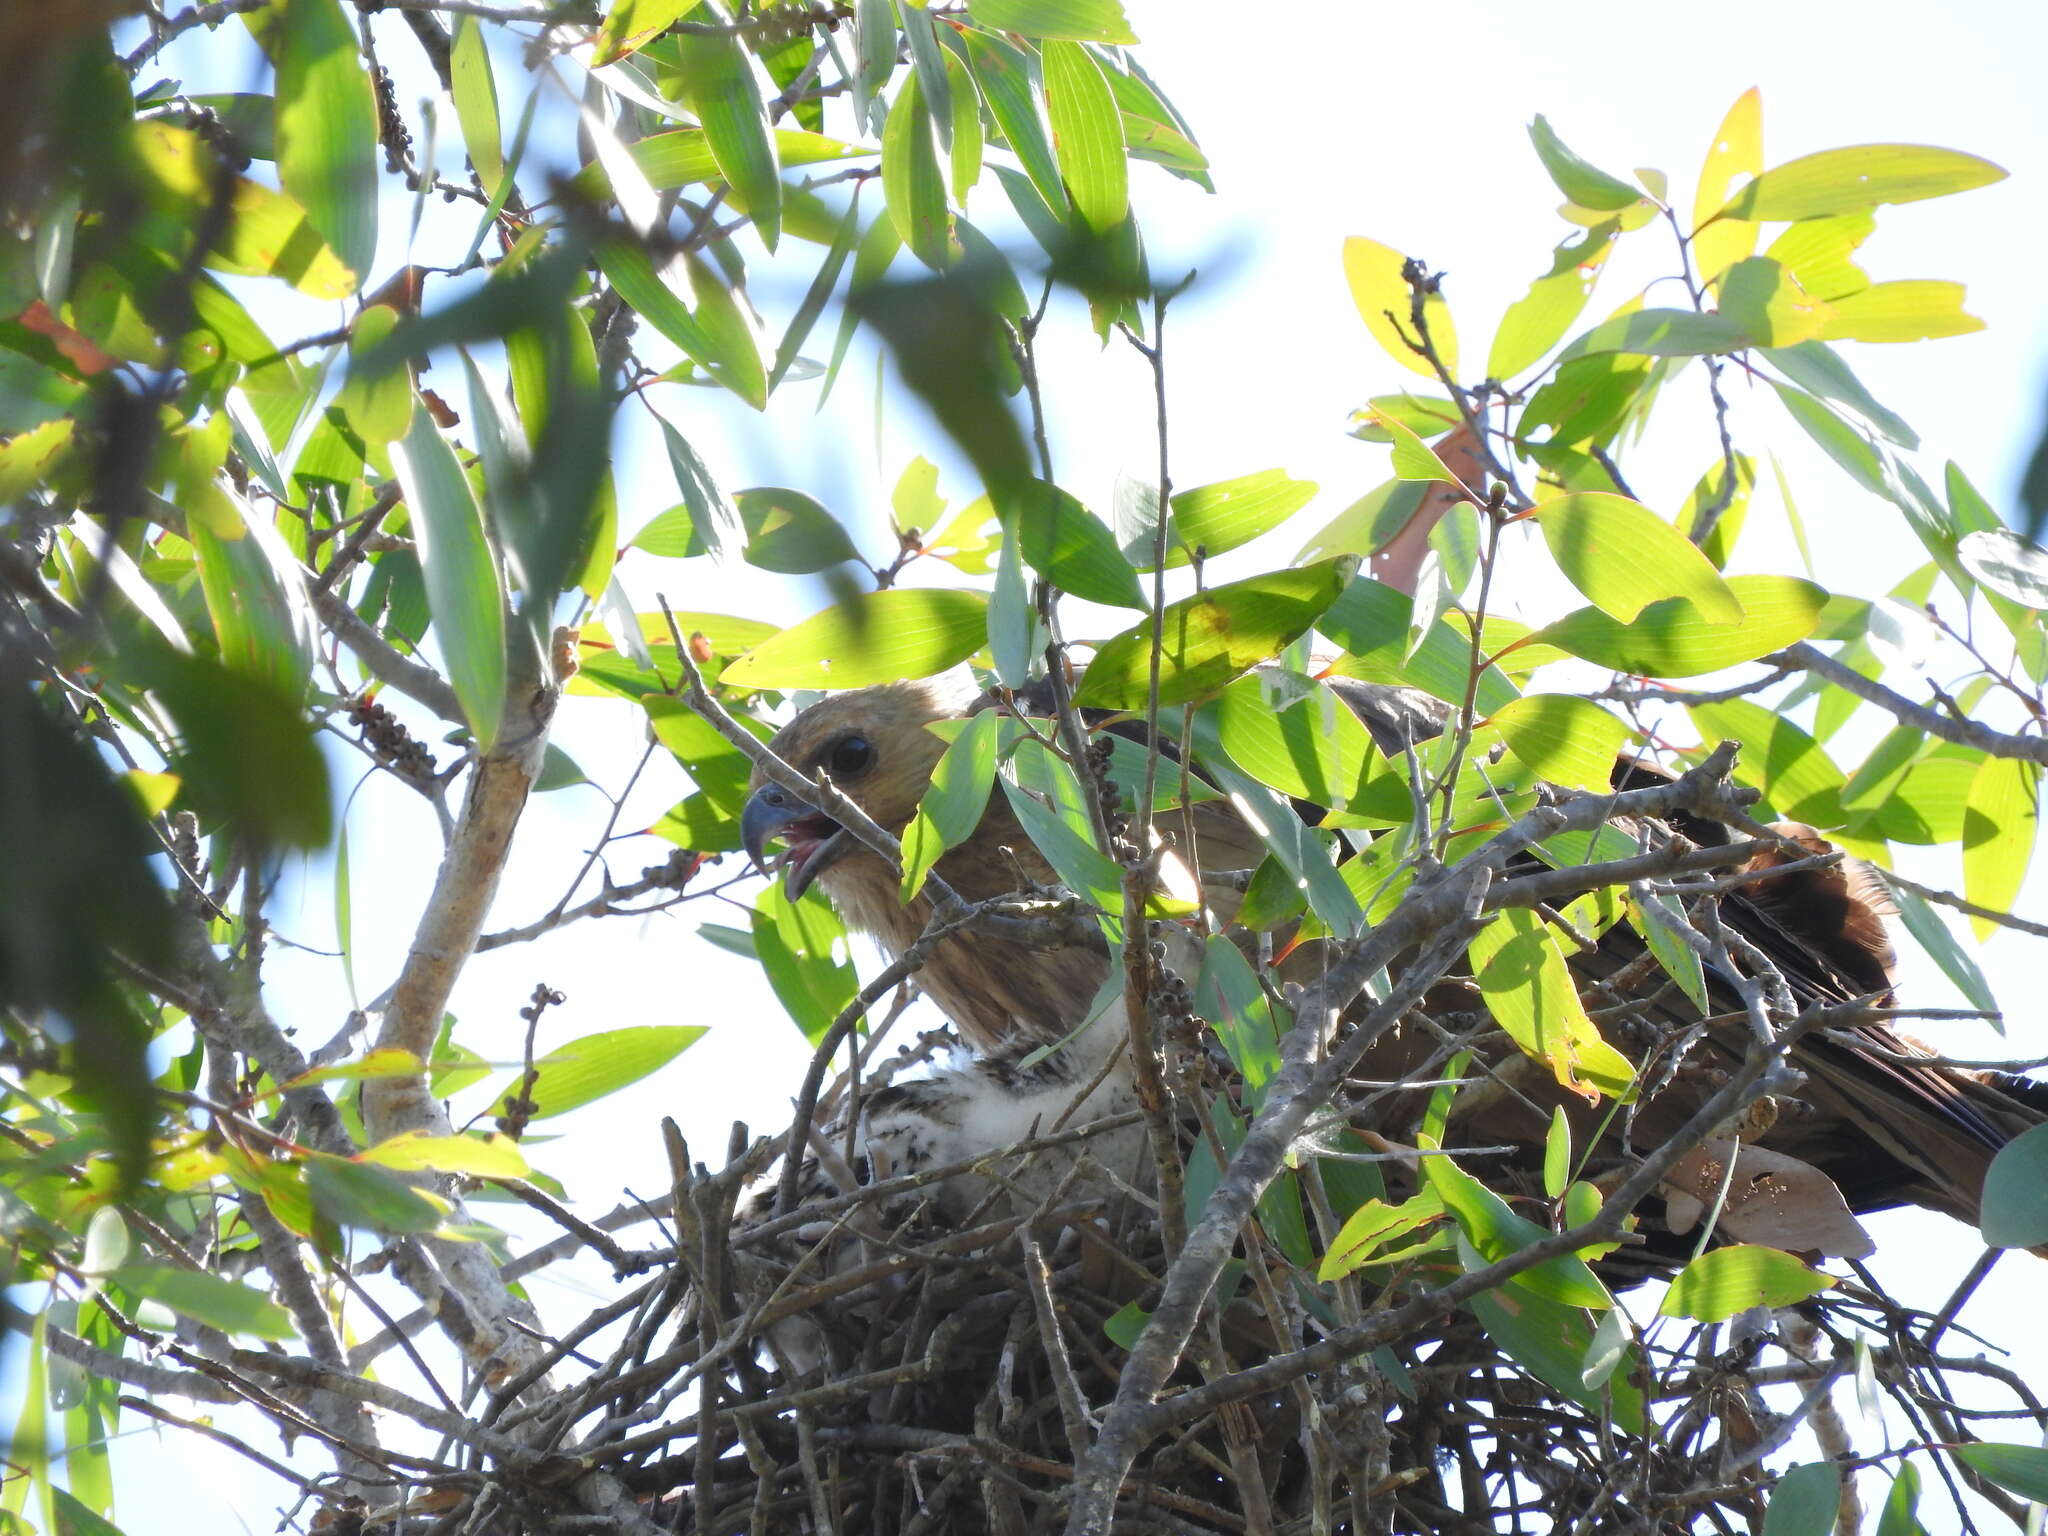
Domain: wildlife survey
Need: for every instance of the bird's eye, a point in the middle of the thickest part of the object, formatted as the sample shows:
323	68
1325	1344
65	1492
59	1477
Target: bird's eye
850	755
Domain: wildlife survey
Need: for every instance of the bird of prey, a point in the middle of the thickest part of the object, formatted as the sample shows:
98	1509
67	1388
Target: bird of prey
1876	1116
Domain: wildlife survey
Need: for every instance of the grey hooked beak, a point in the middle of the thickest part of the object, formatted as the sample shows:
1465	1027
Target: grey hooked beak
811	838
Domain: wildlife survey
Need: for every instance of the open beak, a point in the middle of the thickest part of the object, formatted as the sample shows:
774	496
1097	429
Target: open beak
810	839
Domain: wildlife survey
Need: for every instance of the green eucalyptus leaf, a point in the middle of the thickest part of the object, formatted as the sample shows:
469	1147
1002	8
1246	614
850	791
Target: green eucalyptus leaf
877	637
1213	637
463	589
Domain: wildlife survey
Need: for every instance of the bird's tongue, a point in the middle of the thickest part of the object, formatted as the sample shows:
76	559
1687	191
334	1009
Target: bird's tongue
807	850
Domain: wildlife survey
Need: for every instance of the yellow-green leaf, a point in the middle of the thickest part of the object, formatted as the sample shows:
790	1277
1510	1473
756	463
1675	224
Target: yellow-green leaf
1372	1227
1737	153
327	126
631	25
1413	459
684	155
1862	176
222	1304
485	1157
1227	513
1568	740
1213	637
1071	547
1798	779
1624	557
876	637
1087	134
1083	21
476	100
912	182
384	1062
1537	321
716	77
1005	81
378	405
1999	824
1670	639
588	1069
267	233
1815	253
1724	1281
1910	311
1529	990
1383	299
1772	309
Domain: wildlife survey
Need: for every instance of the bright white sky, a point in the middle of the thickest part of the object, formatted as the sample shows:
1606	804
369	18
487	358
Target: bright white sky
1403	123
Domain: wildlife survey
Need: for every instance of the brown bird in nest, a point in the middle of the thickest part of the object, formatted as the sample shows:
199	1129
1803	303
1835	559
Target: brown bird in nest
1875	1119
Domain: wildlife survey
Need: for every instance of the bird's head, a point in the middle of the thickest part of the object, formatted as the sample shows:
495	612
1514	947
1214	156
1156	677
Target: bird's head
872	744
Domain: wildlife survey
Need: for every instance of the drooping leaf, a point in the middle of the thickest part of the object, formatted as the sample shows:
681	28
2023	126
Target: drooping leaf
1999	827
716	77
1005	80
1530	991
1624	557
378	405
1385	304
1863	176
802	946
875	638
1374	1226
1670	639
352	1194
1552	1341
476	99
463	588
327	126
1213	637
1087	134
684	155
912	182
1071	547
951	807
1724	1281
